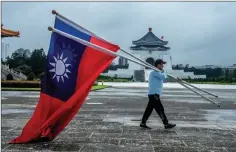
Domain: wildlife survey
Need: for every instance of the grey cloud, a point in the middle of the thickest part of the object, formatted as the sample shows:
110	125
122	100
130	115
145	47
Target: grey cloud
198	32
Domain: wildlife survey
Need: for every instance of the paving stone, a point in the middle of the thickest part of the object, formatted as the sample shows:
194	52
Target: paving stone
230	149
141	136
140	142
218	133
161	133
190	131
46	146
225	143
69	135
113	148
212	149
199	142
174	149
104	140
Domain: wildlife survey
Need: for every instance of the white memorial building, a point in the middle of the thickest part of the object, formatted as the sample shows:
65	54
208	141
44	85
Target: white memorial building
150	48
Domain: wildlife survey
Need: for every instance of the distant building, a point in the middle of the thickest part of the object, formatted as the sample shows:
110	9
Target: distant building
5	51
5	33
5	70
122	61
150	48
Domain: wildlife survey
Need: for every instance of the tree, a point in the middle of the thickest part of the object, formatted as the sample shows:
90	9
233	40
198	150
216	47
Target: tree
217	72
3	62
18	58
25	69
234	73
227	73
177	67
187	66
37	61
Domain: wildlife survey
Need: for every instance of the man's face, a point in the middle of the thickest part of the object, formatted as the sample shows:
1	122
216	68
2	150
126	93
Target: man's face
160	66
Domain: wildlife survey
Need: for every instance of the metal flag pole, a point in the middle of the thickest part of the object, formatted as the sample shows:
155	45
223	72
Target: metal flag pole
91	33
202	95
113	54
181	81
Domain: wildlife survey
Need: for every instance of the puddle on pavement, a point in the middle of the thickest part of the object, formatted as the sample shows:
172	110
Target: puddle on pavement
221	116
12	111
224	118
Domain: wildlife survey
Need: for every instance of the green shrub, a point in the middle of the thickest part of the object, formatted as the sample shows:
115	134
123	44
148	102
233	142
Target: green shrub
23	84
31	76
10	77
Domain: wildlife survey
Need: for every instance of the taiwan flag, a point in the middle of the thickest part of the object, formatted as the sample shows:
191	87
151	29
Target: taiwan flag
70	73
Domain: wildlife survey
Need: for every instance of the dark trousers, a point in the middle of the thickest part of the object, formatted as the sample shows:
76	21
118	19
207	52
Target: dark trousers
154	103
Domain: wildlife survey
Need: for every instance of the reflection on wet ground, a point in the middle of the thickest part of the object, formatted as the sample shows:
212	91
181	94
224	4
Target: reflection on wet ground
9	111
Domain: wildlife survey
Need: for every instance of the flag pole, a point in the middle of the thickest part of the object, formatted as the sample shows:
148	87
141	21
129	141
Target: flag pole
54	12
202	95
114	54
181	81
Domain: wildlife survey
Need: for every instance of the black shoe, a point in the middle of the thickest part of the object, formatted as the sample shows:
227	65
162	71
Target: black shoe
169	126
142	125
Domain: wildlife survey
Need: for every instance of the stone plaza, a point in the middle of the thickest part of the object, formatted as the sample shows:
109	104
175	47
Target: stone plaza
109	121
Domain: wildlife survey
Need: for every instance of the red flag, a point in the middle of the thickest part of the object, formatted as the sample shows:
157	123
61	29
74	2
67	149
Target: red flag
70	73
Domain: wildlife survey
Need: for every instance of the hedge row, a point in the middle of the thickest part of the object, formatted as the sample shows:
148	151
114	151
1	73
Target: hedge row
221	80
113	80
21	84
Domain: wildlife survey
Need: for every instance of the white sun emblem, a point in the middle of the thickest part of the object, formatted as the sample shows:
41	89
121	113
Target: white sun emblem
60	69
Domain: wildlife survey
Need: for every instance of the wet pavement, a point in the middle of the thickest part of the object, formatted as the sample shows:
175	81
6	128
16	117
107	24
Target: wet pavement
109	120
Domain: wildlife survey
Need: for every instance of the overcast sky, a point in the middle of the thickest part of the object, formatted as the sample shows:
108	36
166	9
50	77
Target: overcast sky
199	33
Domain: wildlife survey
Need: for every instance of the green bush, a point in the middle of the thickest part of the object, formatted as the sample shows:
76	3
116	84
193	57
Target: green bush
31	76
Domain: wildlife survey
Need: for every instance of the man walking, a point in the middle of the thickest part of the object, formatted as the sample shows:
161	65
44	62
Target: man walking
154	92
